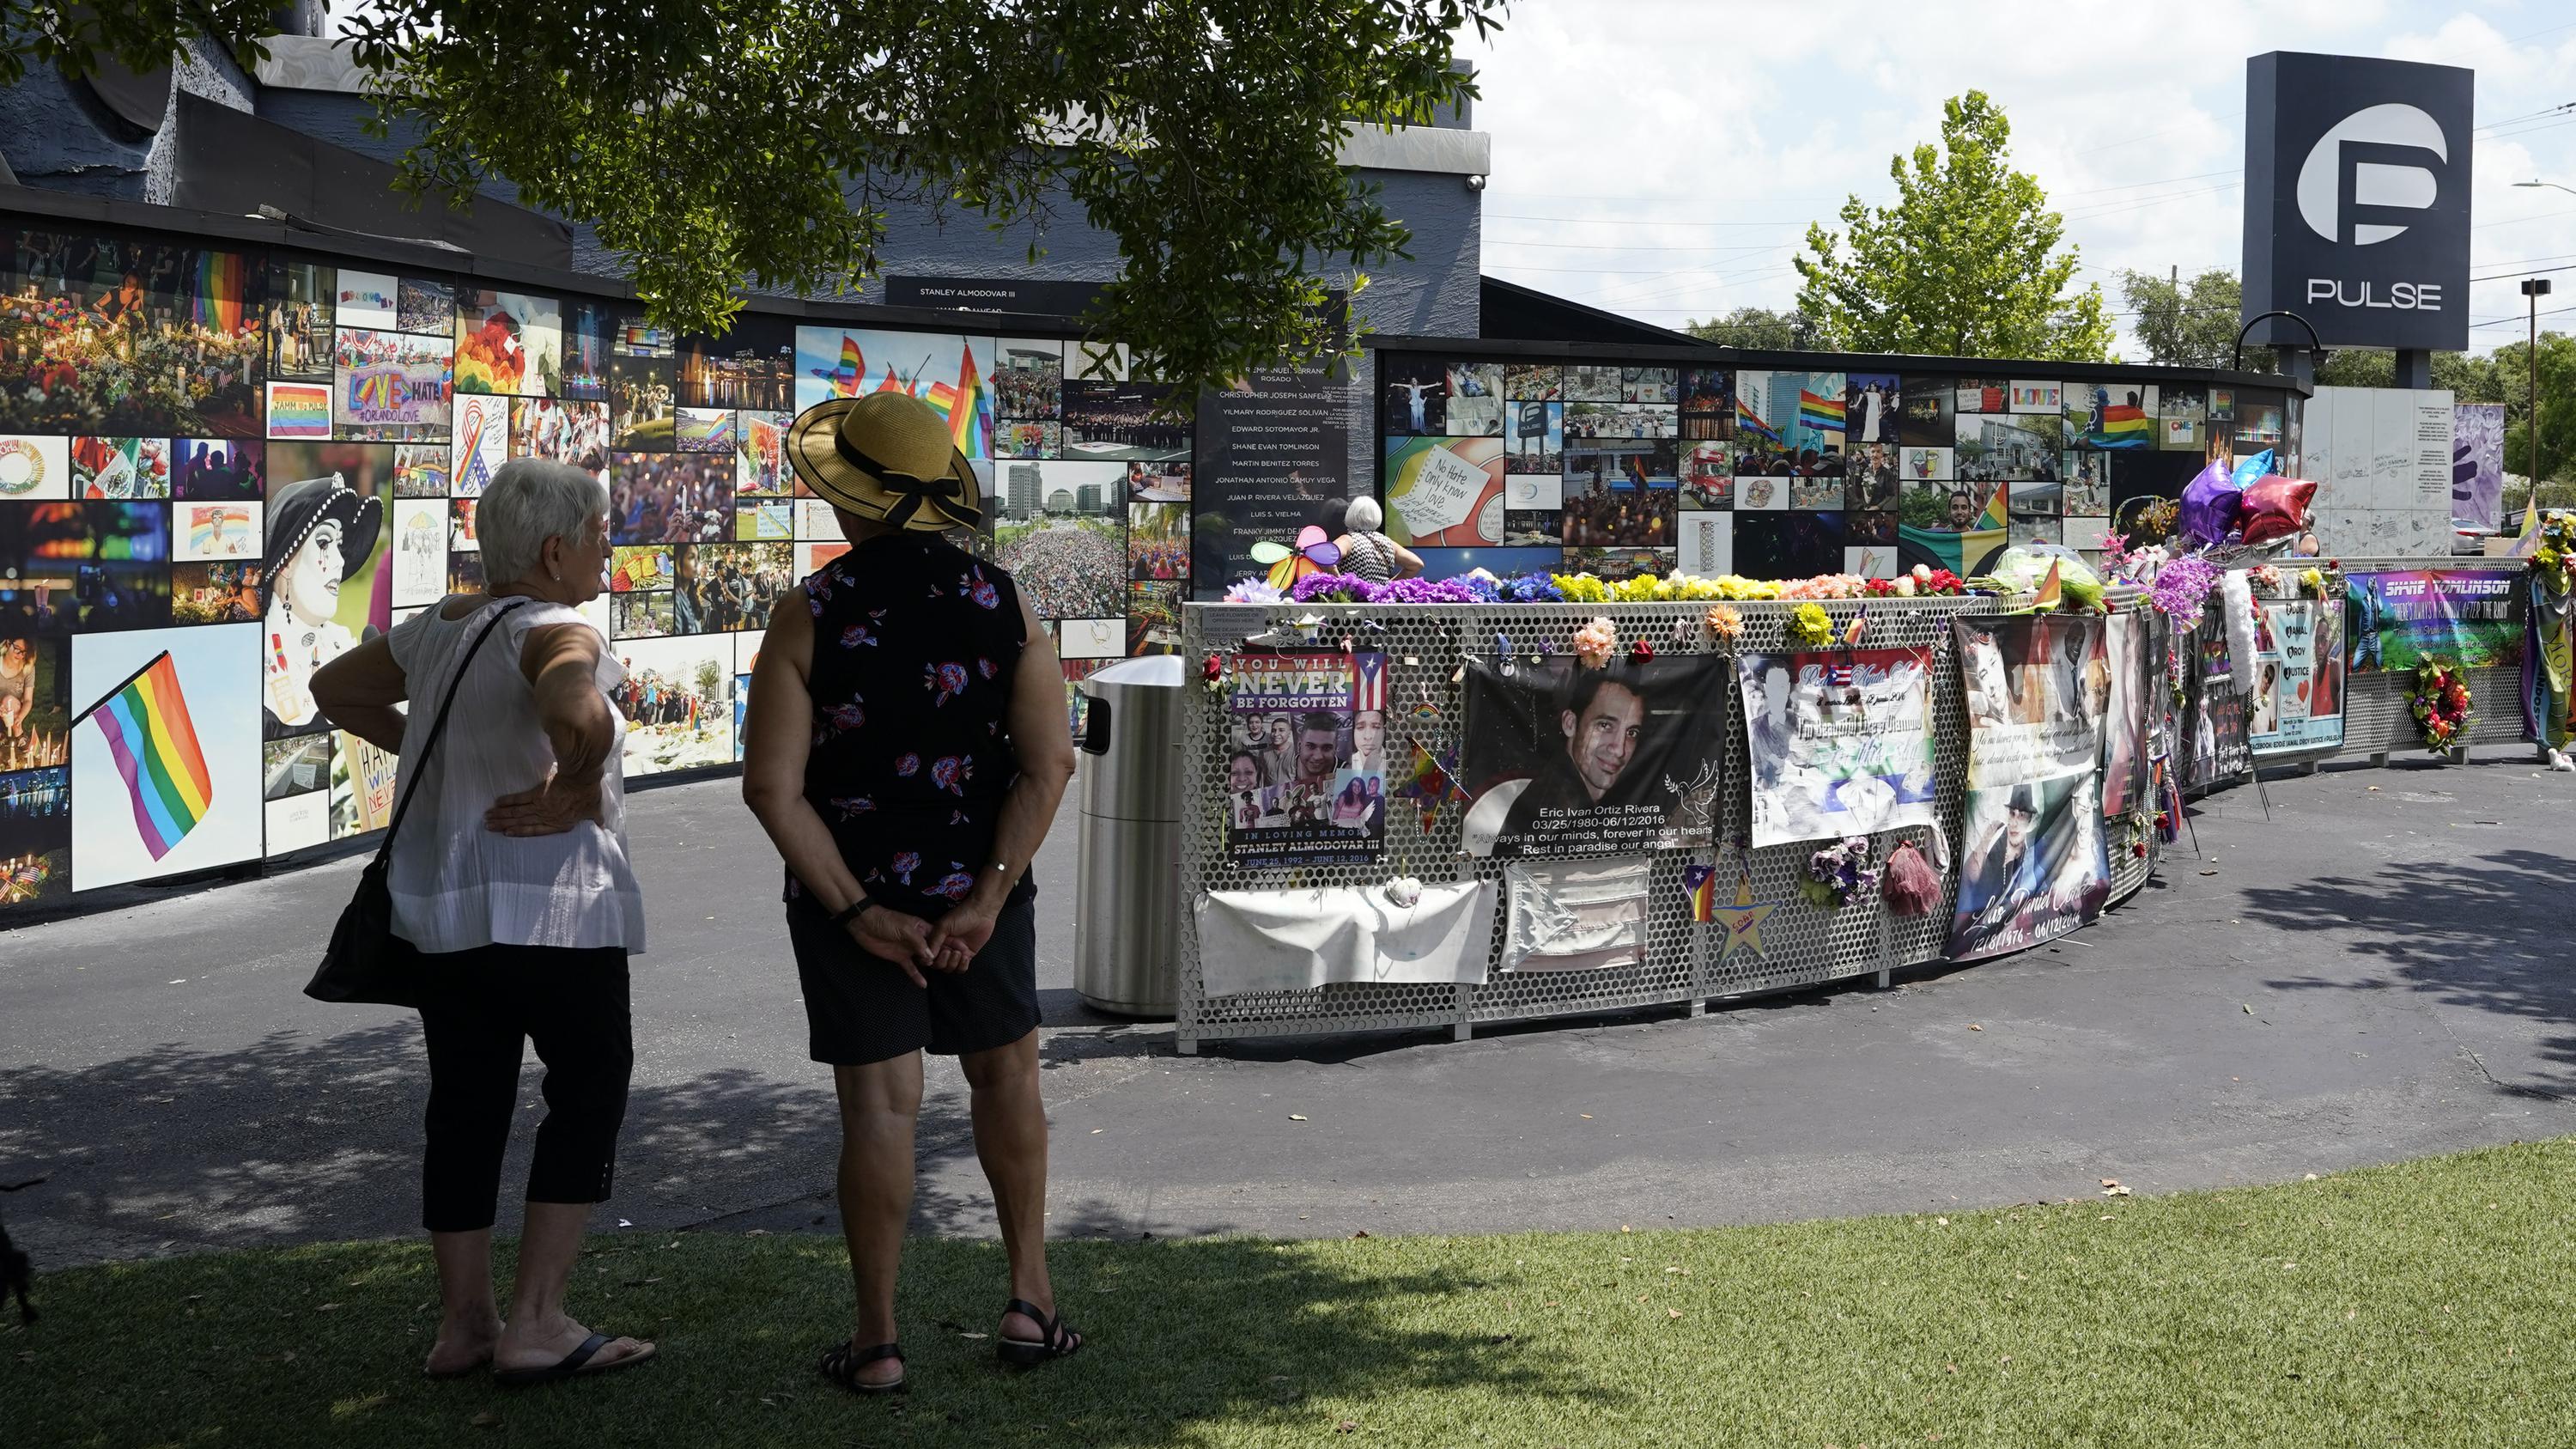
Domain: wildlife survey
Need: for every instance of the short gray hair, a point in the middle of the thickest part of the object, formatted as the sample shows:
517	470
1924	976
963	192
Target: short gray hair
1365	516
528	501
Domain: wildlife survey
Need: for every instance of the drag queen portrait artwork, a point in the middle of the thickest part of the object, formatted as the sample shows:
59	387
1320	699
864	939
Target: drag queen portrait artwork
317	530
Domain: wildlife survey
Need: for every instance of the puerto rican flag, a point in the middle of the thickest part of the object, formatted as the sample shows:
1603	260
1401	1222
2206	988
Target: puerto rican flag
1368	682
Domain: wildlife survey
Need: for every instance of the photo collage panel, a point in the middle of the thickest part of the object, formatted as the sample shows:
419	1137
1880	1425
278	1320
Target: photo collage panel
1622	470
221	470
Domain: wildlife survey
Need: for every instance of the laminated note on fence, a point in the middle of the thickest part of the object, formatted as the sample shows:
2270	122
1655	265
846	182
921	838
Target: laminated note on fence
1297	940
1577	915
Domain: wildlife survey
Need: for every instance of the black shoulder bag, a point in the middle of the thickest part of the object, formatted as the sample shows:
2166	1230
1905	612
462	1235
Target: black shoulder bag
367	962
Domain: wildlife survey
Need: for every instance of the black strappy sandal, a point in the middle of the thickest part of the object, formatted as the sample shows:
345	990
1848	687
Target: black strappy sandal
1055	1341
841	1364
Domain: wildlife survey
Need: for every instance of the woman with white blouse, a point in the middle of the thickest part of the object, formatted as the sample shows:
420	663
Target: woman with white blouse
514	884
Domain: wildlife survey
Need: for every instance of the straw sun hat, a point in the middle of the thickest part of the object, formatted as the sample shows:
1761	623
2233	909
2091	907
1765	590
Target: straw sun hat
885	457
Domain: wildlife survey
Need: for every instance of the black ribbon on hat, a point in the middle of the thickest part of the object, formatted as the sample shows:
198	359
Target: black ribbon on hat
911	491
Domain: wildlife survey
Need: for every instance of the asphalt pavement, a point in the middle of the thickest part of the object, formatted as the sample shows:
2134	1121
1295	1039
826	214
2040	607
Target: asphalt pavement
2380	969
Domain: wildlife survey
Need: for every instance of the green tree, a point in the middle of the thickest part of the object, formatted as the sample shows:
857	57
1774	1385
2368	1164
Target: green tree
1967	263
2189	324
76	37
1760	329
722	140
2557	406
726	141
710	680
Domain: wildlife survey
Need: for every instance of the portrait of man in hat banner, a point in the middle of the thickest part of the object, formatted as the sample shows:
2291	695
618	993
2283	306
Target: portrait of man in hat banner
2033	861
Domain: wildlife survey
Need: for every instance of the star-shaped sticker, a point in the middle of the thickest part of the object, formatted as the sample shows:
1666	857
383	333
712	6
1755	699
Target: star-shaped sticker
1743	920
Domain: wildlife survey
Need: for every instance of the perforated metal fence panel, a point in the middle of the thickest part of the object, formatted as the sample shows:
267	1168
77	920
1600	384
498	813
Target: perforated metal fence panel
2378	718
1426	644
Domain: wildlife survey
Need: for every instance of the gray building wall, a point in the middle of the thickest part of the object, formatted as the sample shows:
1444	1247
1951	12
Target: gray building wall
56	135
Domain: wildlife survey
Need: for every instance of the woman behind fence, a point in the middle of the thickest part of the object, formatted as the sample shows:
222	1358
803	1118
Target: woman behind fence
906	749
1371	554
514	884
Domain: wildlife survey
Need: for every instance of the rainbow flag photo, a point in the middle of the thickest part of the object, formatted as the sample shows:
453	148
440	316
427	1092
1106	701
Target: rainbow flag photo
154	744
2124	427
1824	414
1749	421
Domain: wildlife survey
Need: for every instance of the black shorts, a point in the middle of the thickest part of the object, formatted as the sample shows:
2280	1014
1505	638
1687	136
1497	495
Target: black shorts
860	1009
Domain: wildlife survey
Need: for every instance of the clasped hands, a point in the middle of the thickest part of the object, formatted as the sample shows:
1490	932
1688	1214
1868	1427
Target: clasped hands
949	944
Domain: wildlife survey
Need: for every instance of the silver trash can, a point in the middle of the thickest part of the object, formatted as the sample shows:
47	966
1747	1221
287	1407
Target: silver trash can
1127	917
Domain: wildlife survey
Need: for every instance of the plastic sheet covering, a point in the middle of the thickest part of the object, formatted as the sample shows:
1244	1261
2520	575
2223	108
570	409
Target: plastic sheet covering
1577	915
1296	940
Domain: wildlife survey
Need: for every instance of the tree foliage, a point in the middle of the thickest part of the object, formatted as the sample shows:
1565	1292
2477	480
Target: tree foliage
76	37
726	140
1760	329
723	141
2189	324
1966	263
2557	377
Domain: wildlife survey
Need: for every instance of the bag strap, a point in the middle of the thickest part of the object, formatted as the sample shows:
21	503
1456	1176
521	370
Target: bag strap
438	726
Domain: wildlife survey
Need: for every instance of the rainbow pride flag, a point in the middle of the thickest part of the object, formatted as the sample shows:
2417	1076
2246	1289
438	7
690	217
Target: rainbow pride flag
844	380
1749	421
148	732
970	408
219	290
1993	516
2124	427
1824	414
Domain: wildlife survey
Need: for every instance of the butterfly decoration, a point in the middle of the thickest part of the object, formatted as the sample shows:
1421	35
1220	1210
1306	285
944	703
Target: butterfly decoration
1314	553
1430	783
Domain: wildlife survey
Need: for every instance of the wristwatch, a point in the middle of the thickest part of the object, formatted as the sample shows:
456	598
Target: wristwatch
850	912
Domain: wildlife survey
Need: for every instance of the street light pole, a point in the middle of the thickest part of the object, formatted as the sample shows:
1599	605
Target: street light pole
2533	289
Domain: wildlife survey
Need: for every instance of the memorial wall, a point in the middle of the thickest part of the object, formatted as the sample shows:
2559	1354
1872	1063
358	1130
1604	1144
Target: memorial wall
1781	466
220	469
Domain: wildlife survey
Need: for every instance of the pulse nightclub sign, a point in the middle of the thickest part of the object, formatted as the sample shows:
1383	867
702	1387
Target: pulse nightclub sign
2357	200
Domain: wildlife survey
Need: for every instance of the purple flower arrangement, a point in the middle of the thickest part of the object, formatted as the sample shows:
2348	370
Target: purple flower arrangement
1335	588
2181	586
1838	872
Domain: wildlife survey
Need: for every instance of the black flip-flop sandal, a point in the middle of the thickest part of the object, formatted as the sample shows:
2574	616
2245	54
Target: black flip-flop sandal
576	1364
841	1364
1055	1340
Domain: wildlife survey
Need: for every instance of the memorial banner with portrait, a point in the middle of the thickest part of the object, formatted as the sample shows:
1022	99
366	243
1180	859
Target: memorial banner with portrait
1840	742
1565	761
2033	863
2297	702
2218	745
2125	737
1306	768
2472	617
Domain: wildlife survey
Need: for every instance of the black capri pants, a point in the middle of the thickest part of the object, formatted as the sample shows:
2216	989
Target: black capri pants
479	1010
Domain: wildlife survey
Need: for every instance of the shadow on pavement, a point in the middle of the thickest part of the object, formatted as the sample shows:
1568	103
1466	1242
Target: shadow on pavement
296	1138
2481	933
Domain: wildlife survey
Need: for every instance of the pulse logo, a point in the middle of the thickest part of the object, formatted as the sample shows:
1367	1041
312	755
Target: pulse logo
2362	184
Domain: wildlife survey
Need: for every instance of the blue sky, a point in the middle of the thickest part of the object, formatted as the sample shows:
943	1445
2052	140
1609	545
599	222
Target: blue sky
1662	158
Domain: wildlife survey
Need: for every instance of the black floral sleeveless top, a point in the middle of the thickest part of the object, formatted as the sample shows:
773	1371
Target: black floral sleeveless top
915	644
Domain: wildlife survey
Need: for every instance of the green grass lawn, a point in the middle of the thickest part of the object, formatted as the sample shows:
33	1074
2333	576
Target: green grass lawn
2425	1303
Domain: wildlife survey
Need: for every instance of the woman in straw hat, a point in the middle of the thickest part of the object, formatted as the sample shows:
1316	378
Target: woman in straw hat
906	749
